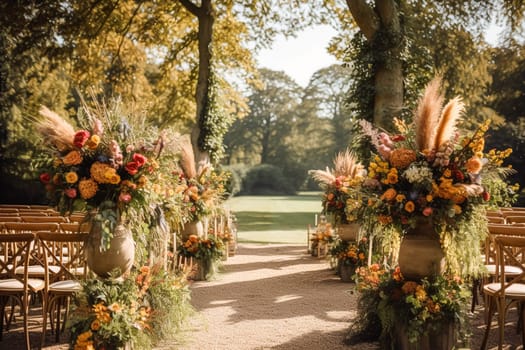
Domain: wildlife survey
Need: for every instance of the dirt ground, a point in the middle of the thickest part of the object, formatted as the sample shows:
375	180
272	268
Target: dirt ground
268	297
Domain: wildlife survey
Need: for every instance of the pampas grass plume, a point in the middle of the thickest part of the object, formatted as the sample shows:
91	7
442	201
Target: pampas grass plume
55	129
427	115
447	123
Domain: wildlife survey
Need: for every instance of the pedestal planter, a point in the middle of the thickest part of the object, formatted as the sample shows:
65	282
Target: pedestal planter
206	269
348	232
441	338
120	255
192	228
346	271
420	253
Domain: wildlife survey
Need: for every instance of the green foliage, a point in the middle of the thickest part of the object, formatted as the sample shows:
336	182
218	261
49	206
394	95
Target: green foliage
266	179
237	175
214	122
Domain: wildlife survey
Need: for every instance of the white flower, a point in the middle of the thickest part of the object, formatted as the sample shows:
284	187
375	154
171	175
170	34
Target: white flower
418	174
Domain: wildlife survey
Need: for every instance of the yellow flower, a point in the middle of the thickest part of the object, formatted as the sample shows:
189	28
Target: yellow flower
93	142
392	176
429	198
400	198
71	177
410	206
421	294
457	209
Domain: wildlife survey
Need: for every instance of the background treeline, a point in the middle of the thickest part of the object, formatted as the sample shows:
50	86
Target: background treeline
146	53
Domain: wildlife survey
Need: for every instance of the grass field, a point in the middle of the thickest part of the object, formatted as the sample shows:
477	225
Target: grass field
275	219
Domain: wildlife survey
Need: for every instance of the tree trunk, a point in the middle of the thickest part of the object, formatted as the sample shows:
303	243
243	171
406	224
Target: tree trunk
388	100
206	16
384	16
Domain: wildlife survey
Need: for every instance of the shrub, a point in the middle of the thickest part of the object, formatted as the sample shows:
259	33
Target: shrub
238	173
266	179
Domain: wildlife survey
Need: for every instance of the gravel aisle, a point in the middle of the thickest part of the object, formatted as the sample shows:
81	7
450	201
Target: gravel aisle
272	297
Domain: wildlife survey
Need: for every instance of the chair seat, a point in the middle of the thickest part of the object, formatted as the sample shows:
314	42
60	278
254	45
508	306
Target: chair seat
67	286
36	270
12	284
509	270
515	290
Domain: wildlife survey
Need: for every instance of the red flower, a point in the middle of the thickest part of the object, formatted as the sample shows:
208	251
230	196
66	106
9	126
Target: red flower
397	138
132	168
486	196
80	138
458	175
45	178
139	159
70	192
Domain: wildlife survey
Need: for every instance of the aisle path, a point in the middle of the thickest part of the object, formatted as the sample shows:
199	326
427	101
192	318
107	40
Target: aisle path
272	297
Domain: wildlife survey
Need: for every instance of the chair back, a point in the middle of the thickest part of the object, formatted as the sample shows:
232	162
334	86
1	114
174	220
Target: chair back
509	252
24	227
42	219
15	250
65	251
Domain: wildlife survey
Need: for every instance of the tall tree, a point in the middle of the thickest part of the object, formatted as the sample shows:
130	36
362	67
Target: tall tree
388	29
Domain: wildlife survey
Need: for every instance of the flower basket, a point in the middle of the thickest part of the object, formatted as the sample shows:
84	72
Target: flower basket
206	269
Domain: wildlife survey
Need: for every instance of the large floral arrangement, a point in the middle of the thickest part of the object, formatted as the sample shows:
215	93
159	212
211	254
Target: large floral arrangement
430	170
102	165
202	188
341	197
422	307
145	307
210	247
353	254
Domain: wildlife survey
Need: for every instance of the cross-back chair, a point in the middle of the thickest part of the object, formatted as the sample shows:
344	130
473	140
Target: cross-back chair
67	252
16	288
507	290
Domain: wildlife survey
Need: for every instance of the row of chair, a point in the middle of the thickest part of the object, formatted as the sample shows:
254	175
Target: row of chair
504	260
53	271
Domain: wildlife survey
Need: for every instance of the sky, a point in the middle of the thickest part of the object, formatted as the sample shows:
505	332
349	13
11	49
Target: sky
302	56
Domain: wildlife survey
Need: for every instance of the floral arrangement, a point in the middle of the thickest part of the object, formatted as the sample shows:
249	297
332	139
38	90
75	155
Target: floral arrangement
110	313
102	165
422	306
209	248
350	253
341	197
430	170
202	188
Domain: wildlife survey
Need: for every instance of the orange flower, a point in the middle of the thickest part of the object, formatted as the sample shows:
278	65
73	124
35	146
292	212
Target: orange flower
88	188
474	165
389	194
72	158
409	287
95	325
410	206
401	158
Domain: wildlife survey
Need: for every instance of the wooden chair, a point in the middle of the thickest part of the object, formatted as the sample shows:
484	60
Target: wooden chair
42	219
67	252
10	219
515	219
36	265
507	290
13	286
74	227
496	219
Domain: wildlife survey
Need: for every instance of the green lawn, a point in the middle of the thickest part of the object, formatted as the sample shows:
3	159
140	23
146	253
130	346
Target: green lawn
275	219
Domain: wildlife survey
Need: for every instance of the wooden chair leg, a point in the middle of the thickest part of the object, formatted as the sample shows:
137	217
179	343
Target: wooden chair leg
488	320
